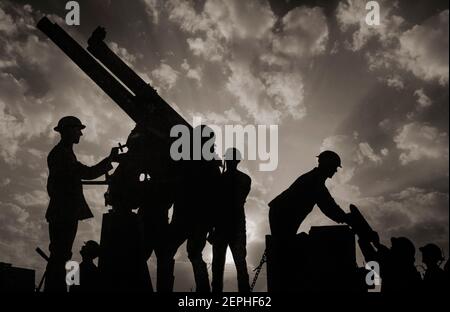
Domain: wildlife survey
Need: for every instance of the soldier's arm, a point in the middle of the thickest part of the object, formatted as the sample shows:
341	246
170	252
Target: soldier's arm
329	207
93	172
89	173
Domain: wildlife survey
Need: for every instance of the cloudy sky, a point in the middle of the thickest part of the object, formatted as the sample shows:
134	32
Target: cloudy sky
377	95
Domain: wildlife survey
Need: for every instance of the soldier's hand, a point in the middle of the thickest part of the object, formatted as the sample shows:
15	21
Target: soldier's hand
114	155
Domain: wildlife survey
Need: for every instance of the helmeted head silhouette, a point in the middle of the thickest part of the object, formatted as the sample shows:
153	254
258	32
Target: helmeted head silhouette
90	250
69	122
233	154
232	158
403	249
431	254
329	161
70	129
329	158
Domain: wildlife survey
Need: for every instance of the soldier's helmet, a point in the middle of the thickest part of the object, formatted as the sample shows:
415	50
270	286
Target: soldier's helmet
68	122
432	252
233	154
403	247
329	158
90	249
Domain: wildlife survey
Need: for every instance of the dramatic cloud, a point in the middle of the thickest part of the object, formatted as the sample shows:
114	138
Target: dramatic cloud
419	141
422	99
421	49
366	151
395	82
6	23
351	16
360	152
269	87
123	53
192	73
152	10
166	76
424	49
287	91
250	91
418	214
304	33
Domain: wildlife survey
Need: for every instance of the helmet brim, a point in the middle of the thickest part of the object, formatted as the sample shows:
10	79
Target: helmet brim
59	129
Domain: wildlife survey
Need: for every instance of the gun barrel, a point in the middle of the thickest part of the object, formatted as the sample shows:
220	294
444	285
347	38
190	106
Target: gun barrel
162	116
91	67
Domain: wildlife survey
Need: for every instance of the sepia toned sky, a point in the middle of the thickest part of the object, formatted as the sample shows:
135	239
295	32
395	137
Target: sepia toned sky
377	95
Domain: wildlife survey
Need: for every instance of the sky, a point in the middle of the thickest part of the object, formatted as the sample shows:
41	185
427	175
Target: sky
377	95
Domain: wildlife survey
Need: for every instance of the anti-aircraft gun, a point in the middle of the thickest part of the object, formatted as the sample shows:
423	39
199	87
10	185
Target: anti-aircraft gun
148	152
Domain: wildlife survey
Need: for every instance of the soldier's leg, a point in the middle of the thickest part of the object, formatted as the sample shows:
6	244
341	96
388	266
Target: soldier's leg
177	233
164	272
218	263
238	246
195	244
146	233
62	236
165	262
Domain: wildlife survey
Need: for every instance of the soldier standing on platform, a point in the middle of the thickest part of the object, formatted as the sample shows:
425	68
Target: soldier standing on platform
67	203
290	208
230	224
194	211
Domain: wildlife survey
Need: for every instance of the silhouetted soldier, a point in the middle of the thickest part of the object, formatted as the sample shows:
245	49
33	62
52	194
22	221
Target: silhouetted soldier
154	222
67	203
193	212
434	279
290	208
397	270
230	223
89	273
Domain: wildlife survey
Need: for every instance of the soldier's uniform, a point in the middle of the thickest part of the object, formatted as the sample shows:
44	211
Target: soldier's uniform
192	217
67	206
230	229
290	208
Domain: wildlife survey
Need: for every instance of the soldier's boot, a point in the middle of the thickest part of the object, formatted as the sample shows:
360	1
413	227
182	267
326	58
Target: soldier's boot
200	275
242	277
165	277
55	280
